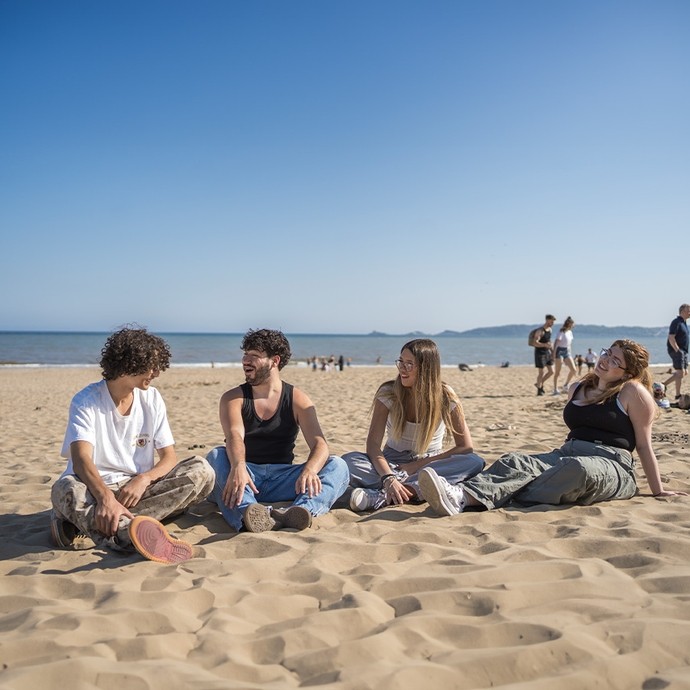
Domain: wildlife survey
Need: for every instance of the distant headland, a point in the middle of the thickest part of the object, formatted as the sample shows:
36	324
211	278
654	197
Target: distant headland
516	330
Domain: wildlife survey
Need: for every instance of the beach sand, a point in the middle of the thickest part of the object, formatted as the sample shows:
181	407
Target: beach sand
576	597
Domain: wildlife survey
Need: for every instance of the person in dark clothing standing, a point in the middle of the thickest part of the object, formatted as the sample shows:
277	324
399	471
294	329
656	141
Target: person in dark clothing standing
543	354
677	347
261	419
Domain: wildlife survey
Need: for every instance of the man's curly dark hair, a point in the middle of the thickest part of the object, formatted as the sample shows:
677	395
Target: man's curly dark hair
268	341
132	351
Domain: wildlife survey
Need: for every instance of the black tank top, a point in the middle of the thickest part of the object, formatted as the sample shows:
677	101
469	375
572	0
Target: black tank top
269	441
545	336
603	423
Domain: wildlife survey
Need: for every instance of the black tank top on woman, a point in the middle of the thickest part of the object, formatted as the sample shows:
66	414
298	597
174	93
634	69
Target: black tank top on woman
269	441
603	423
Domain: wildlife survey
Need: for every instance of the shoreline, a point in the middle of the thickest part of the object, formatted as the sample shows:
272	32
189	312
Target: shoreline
290	365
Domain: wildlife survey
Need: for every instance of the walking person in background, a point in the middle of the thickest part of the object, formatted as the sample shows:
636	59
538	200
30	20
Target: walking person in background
609	414
415	411
677	347
540	339
562	352
579	362
590	360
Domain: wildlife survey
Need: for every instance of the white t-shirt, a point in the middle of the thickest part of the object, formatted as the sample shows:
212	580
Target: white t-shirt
406	441
564	339
122	445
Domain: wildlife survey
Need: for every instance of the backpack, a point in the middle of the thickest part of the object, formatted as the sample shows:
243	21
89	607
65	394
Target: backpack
532	337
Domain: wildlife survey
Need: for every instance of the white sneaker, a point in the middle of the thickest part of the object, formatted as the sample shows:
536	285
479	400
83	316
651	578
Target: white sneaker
367	499
444	498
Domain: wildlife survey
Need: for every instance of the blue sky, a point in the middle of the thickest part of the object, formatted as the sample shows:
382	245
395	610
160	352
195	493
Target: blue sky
341	167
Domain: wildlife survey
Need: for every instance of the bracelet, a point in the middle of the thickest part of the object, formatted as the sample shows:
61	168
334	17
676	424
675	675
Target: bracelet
386	476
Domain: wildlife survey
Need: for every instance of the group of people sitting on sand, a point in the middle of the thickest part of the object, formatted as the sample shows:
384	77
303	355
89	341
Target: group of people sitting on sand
115	493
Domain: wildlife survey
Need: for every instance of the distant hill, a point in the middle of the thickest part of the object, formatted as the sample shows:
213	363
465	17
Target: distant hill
519	330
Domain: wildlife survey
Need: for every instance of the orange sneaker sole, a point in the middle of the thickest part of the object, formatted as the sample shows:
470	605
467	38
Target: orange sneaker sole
154	543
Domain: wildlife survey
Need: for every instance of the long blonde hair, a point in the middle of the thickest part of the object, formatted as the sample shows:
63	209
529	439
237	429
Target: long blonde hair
636	367
432	399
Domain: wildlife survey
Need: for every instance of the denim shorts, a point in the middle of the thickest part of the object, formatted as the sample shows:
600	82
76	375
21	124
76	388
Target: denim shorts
562	352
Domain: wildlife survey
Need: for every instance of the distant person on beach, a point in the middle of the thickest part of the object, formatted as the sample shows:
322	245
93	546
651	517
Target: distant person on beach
610	413
415	411
579	363
261	419
113	491
677	347
562	352
590	359
543	355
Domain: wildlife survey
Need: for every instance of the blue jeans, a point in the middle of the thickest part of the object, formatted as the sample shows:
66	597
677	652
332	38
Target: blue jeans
276	483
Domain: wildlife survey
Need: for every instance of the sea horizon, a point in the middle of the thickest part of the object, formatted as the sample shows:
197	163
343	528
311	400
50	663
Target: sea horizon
479	331
501	347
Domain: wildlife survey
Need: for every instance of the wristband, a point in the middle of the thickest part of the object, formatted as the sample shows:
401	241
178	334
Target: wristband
386	476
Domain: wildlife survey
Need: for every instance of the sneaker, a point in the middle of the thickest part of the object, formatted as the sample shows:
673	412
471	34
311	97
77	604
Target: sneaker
257	518
444	498
556	392
260	518
296	517
153	542
64	534
540	391
367	499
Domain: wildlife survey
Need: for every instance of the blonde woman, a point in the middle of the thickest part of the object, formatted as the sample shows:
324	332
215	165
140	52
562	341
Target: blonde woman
563	352
609	413
415	412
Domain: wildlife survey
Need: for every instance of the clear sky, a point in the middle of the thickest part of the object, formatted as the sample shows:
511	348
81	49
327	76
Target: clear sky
342	167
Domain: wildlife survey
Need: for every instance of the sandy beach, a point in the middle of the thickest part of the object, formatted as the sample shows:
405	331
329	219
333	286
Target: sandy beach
577	597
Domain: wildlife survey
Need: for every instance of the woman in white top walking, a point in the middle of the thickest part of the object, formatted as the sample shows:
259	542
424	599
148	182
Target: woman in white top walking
563	352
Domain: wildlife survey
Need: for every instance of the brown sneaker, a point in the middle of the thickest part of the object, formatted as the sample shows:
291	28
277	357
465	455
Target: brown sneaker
65	535
260	518
296	517
153	542
257	518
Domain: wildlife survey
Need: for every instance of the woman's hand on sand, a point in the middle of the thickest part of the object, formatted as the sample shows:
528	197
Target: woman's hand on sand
663	493
396	492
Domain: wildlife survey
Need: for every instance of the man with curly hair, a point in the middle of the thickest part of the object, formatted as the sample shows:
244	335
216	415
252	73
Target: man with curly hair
261	419
112	490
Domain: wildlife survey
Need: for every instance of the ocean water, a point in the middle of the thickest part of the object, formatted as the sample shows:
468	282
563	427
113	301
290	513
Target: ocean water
203	349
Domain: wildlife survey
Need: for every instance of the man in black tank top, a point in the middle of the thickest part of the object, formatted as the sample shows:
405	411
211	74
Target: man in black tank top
261	419
543	358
